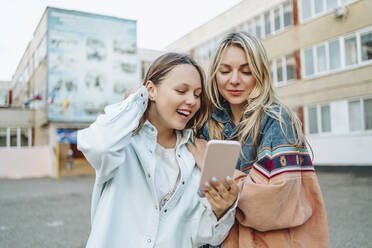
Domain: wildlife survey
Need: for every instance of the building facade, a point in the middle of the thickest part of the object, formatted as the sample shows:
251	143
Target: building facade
75	64
320	54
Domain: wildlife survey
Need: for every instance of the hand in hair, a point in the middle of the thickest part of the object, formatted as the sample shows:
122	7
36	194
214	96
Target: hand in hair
198	150
131	91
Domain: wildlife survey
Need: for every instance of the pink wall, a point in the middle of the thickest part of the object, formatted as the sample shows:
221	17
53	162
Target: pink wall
26	162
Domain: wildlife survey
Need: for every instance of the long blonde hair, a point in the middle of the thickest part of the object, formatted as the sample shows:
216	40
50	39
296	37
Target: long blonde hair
261	100
158	71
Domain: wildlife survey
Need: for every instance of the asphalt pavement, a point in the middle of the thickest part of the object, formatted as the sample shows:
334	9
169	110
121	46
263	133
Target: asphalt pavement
56	213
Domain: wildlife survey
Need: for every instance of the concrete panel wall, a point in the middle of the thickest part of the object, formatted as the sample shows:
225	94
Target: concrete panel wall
353	149
346	84
26	162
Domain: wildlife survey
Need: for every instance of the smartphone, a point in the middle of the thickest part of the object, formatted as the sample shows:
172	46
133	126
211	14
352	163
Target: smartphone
219	161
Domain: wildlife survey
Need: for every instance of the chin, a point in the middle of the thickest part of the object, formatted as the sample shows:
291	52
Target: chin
179	126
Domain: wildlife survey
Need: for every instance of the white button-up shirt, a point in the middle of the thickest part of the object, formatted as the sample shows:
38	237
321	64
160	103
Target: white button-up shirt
125	210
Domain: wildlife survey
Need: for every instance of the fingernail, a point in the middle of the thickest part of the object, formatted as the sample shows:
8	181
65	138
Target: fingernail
228	178
207	185
214	179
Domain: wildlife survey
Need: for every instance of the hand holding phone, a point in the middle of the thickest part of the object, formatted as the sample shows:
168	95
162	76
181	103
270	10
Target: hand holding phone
219	161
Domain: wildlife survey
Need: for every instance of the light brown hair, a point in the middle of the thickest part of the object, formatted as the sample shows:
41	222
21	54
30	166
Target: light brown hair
159	69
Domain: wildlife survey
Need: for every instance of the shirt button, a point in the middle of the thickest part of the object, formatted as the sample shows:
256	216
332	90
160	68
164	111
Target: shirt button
149	241
156	207
165	211
178	155
141	94
148	175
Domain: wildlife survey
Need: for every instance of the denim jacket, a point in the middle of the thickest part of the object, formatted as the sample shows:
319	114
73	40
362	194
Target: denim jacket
229	131
125	209
280	202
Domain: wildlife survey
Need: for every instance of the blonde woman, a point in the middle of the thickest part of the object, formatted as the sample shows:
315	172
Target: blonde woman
280	203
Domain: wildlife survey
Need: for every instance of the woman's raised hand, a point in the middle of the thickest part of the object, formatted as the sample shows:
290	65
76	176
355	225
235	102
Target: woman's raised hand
131	91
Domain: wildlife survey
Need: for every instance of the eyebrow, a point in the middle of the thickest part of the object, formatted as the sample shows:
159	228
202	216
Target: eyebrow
187	85
243	65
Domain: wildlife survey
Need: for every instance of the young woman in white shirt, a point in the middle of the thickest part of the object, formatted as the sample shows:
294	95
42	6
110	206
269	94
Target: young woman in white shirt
146	188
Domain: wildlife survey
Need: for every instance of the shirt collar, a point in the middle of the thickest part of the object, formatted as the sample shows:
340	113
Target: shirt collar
183	136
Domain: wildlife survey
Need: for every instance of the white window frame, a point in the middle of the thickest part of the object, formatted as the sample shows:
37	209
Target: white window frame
319	119
362	116
343	67
285	81
18	131
360	33
324	12
341	47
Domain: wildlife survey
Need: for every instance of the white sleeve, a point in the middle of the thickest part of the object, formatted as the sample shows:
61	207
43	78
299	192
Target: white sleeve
103	141
210	230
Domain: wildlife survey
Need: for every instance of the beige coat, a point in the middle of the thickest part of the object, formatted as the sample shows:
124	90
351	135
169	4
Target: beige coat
284	211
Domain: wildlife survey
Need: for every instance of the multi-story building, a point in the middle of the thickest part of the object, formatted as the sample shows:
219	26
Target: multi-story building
321	60
75	64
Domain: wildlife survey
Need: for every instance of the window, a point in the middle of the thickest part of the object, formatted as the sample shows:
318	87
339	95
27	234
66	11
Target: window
326	118
291	67
355	116
315	8
318	4
277	15
279	70
257	21
309	62
321	58
331	4
267	23
334	55
13	136
319	119
306	9
368	114
283	69
24	136
360	114
3	136
351	51
341	53
313	120
366	45
288	13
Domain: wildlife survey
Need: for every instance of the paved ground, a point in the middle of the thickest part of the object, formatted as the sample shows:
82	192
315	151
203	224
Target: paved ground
50	213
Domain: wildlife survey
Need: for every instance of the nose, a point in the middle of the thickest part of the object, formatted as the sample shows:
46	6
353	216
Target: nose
234	80
191	99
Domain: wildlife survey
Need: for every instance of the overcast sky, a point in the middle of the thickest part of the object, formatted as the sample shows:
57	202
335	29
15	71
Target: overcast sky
159	22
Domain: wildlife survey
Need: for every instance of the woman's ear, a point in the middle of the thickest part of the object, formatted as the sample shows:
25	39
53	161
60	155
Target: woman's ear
152	90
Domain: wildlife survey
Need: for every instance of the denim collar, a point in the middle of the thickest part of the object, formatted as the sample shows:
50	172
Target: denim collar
224	116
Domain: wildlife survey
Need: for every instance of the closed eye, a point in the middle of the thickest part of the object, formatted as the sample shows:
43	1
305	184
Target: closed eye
247	72
181	91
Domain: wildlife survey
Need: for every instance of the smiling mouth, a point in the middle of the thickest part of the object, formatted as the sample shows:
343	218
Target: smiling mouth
184	113
236	92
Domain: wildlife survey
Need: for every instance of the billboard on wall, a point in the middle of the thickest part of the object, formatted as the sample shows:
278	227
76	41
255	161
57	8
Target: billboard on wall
92	61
